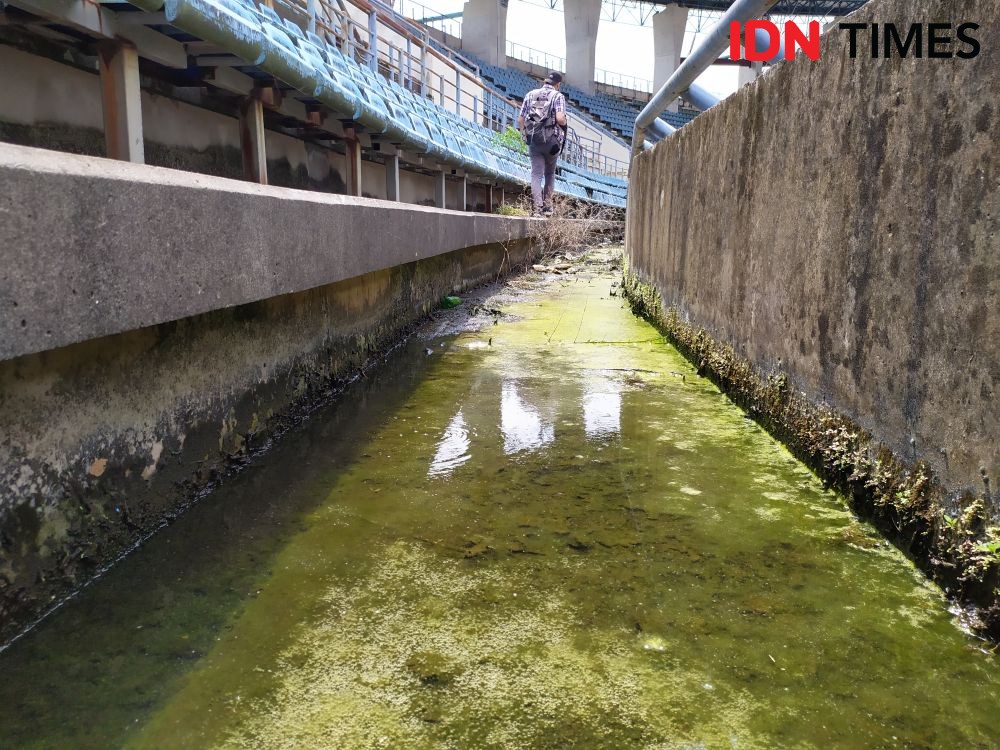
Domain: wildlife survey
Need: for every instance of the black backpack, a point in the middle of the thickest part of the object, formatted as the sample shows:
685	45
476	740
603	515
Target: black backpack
540	127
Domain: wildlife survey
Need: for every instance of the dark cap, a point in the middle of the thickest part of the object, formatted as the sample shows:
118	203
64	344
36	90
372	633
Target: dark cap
553	77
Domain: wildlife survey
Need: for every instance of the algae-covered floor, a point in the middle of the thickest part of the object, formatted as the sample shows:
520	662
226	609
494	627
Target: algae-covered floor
542	532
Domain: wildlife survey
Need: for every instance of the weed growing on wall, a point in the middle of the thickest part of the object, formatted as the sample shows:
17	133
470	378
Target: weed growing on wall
511	138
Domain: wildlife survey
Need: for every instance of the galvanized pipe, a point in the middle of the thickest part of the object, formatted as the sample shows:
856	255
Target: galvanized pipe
701	97
707	52
762	40
660	128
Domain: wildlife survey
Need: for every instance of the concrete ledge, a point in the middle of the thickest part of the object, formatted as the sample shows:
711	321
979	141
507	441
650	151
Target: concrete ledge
92	247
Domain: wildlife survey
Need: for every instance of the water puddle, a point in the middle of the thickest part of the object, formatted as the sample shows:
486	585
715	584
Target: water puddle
546	533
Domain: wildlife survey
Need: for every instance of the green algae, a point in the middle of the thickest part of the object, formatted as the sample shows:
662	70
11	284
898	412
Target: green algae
946	534
551	533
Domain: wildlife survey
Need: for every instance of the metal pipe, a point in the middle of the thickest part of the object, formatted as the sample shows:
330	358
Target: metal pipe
763	40
701	97
660	128
707	52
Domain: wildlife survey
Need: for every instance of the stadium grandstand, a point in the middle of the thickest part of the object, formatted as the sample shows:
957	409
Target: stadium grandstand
612	99
354	77
612	111
383	92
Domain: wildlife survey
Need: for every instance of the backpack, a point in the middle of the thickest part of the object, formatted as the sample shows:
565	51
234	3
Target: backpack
540	128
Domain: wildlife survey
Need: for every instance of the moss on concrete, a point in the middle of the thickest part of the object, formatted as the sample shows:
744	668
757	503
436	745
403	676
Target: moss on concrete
949	537
151	420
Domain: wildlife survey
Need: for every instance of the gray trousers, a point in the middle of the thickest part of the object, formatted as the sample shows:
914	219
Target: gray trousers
543	164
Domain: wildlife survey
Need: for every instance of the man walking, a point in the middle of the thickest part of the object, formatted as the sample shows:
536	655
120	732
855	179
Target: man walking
542	122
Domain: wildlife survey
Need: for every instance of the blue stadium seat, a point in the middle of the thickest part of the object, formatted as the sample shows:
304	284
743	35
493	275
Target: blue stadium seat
303	60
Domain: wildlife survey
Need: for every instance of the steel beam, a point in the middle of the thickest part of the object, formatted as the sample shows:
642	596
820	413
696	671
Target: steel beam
440	190
92	19
252	144
392	177
352	155
121	99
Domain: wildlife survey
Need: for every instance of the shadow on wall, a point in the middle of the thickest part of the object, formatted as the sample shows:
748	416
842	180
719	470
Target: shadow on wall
218	161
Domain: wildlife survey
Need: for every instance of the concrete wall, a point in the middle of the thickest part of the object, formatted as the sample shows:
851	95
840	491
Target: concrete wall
155	326
54	105
58	106
838	221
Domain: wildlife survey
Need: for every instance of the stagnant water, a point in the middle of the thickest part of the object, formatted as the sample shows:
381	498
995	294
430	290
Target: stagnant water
546	533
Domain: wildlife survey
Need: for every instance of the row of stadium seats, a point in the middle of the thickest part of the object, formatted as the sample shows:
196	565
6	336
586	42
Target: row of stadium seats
321	73
619	114
611	111
517	83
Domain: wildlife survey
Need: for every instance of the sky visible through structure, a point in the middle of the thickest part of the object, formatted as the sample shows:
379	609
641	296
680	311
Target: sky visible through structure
622	47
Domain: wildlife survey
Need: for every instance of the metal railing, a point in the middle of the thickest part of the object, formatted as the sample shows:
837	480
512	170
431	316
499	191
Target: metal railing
449	23
584	152
535	56
406	56
622	81
649	128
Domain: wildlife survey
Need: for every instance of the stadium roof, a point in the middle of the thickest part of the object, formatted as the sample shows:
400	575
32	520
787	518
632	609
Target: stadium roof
783	8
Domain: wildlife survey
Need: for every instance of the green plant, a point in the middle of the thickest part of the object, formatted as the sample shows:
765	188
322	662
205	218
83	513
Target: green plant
510	209
990	548
511	138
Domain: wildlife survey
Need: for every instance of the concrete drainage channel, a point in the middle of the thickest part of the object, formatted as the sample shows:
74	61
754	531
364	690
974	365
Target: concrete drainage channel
163	325
535	517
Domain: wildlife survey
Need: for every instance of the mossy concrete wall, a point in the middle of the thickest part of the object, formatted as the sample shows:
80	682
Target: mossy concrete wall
192	319
836	222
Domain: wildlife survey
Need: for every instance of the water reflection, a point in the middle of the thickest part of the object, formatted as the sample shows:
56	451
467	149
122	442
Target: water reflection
453	450
602	411
522	426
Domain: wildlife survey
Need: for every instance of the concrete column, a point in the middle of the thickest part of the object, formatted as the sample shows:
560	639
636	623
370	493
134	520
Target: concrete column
484	30
121	99
440	190
668	41
489	198
252	140
352	155
464	192
582	18
749	74
392	177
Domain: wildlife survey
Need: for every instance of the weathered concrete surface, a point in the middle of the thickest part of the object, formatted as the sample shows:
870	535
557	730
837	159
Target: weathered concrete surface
93	247
102	440
837	221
